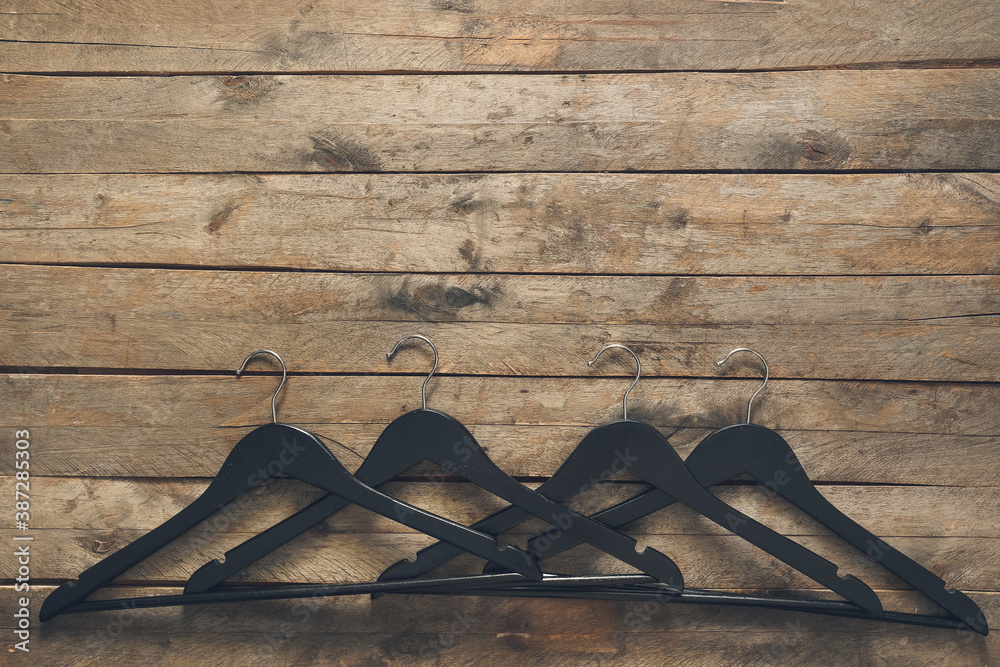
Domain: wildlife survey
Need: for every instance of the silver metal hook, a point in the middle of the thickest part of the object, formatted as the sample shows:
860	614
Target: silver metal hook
395	348
638	372
767	374
284	376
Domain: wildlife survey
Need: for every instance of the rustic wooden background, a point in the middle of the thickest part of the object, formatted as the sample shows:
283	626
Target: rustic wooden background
184	182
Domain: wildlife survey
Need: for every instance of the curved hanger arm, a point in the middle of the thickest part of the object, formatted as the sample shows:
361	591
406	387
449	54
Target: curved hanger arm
302	457
429	435
764	455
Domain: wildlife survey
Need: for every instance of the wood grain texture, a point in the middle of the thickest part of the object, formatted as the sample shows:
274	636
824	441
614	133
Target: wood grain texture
78	522
931	328
490	35
538	223
425	630
707	561
361	616
499	211
788	121
889	511
523	450
192	401
515	648
432	614
169	426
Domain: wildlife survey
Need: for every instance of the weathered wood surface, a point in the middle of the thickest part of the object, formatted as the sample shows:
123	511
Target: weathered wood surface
84	503
754	224
524	450
897	328
490	35
429	630
873	295
165	426
362	616
778	645
707	561
85	520
192	401
790	121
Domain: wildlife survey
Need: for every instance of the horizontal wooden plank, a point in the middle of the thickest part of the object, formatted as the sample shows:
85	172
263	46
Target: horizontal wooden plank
789	121
286	642
166	426
363	617
78	522
523	450
539	223
896	328
282	297
587	35
707	561
193	401
101	505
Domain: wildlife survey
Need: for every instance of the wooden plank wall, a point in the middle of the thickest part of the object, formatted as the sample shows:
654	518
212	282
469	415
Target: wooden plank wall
186	182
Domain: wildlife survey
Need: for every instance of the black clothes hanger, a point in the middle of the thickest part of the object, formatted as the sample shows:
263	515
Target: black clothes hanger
768	458
637	592
629	588
647	453
491	582
298	454
429	435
